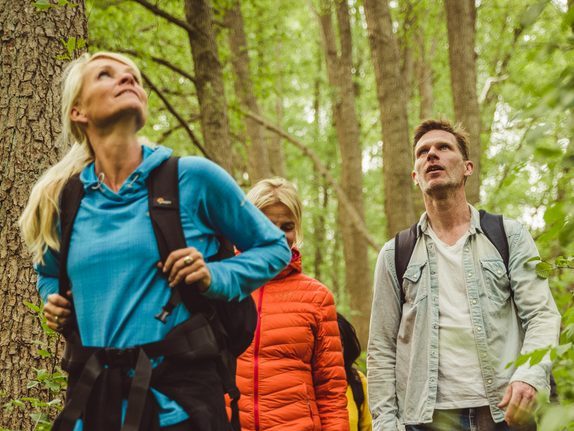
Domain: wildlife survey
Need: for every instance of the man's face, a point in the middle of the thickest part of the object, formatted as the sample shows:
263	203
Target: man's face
439	164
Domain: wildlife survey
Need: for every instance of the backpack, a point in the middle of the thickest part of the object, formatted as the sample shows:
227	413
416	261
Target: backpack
493	227
358	392
233	323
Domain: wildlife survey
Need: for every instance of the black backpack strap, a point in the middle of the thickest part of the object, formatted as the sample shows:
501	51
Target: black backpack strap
405	242
70	199
493	227
163	186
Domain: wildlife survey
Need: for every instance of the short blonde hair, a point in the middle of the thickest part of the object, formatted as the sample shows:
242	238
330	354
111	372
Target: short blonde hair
277	190
39	220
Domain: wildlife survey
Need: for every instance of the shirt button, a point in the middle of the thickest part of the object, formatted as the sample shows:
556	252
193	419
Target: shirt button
478	328
474	301
435	326
489	381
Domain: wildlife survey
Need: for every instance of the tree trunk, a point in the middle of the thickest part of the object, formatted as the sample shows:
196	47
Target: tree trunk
259	164
397	159
209	82
425	81
30	41
461	20
274	142
339	71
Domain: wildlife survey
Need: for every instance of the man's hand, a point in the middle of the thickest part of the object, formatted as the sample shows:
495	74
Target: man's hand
519	401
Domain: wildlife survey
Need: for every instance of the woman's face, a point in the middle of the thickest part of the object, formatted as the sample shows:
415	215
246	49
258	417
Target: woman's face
282	217
110	93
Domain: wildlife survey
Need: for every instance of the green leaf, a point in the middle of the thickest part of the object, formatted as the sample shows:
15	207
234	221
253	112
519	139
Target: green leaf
42	5
544	269
35	308
44	353
532	13
566	235
537	356
533	259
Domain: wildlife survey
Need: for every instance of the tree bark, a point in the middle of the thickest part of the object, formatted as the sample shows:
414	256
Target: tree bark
461	26
209	82
258	155
30	41
339	71
397	160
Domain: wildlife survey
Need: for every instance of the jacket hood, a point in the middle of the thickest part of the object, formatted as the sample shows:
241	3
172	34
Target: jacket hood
135	183
295	266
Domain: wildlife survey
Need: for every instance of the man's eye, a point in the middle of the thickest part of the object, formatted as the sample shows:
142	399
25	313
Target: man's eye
423	152
444	147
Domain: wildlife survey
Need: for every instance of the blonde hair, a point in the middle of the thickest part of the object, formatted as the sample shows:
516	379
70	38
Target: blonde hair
39	220
277	190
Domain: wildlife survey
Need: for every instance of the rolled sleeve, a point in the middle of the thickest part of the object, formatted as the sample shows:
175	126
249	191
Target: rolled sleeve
535	306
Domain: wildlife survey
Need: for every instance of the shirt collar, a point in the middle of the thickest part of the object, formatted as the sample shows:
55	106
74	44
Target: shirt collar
423	224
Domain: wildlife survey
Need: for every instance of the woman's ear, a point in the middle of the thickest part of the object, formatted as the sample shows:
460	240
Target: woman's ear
77	116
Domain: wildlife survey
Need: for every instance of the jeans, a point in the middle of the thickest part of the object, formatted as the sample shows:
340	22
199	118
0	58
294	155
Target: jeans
471	419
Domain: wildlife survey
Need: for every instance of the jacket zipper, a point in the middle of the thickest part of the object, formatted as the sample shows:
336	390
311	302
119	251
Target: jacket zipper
256	361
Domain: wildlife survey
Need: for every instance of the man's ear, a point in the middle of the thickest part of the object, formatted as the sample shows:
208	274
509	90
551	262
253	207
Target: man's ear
414	177
77	116
468	168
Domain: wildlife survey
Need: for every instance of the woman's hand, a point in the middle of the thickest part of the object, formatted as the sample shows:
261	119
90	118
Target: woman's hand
187	264
57	310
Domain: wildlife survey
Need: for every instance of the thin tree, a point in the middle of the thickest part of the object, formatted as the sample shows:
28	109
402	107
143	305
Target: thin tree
461	26
397	160
259	166
209	81
339	72
30	45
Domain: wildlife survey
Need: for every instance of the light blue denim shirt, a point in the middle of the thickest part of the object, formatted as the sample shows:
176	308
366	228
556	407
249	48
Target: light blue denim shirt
509	317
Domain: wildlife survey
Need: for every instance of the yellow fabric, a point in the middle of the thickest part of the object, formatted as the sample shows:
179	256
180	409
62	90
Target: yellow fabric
366	420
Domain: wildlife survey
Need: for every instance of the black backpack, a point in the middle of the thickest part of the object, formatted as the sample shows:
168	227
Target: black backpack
493	227
233	323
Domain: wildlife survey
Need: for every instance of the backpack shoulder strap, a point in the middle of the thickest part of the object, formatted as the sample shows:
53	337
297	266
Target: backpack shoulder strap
70	198
405	242
164	205
493	227
163	202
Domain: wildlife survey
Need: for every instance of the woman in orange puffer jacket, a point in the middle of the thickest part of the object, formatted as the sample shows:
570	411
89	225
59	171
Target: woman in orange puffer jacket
292	377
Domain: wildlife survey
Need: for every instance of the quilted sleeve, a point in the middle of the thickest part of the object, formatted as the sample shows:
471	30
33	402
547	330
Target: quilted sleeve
328	368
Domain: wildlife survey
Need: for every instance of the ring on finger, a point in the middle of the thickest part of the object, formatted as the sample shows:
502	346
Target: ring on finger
188	260
57	319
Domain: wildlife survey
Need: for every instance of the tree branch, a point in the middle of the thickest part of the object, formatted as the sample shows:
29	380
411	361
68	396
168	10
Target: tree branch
323	170
160	61
166	15
179	118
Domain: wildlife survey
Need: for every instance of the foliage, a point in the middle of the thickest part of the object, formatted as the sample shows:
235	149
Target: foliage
47	386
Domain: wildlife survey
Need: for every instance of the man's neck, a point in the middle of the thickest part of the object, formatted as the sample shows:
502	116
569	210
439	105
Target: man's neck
448	216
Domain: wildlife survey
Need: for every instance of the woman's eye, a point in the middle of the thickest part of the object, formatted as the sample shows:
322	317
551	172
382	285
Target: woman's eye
103	73
287	227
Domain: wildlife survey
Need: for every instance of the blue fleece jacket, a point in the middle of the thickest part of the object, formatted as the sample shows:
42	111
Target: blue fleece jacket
116	286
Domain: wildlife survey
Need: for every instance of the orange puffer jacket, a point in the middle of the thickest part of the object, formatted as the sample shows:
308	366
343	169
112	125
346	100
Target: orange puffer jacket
292	377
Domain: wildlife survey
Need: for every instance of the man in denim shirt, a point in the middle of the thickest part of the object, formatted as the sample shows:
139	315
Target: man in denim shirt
438	351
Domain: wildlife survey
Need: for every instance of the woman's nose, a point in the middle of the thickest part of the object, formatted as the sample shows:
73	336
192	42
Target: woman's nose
127	78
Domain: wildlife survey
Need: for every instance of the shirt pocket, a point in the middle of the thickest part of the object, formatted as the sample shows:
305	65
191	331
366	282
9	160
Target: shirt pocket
497	284
414	287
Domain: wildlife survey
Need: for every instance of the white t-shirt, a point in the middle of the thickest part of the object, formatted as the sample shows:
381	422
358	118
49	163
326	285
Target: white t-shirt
460	383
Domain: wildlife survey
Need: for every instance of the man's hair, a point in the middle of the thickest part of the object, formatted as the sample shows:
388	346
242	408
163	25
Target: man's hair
459	133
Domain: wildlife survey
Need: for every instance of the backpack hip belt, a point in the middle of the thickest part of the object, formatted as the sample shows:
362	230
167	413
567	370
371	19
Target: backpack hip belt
106	371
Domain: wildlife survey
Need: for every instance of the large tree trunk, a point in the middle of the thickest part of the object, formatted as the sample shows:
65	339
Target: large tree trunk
209	82
339	71
397	160
30	41
259	164
461	20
